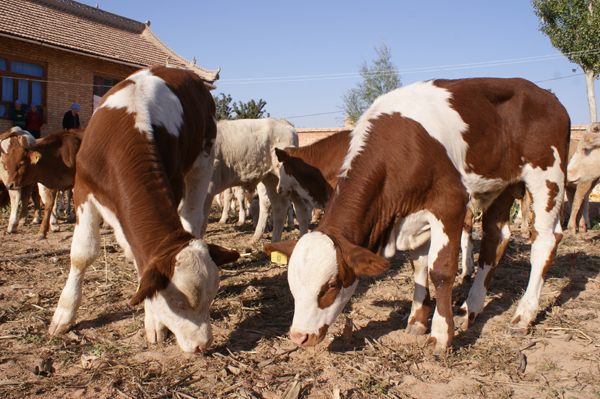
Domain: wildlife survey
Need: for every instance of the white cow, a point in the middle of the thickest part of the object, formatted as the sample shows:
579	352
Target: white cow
244	155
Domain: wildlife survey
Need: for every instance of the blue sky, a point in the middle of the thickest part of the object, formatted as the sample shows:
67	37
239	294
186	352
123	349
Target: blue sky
301	57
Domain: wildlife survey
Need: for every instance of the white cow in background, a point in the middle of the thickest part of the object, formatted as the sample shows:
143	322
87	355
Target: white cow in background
244	155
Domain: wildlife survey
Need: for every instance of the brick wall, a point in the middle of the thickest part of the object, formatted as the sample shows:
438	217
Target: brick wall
70	80
308	136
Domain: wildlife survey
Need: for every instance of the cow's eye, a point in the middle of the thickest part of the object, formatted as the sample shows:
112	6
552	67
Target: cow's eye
332	285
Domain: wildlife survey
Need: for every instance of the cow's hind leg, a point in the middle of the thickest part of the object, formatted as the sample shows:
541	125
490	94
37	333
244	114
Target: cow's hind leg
547	197
421	306
496	233
466	247
442	263
85	248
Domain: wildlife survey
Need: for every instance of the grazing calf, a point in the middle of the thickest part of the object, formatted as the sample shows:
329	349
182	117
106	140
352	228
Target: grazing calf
418	155
312	172
50	162
148	142
244	155
12	138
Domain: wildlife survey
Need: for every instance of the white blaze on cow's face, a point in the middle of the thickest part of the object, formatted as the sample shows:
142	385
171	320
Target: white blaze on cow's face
319	296
184	306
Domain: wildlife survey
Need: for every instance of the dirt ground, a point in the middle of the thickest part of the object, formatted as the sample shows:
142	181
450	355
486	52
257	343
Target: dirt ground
106	354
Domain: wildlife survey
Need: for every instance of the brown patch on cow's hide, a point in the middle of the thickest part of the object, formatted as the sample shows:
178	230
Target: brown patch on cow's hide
314	339
558	237
553	191
505	119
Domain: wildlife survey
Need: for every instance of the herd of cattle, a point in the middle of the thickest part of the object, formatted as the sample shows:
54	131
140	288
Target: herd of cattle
420	162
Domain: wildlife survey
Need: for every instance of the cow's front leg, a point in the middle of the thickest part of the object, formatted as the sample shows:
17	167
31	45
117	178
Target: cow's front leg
496	234
155	330
421	306
227	196
48	197
84	250
13	221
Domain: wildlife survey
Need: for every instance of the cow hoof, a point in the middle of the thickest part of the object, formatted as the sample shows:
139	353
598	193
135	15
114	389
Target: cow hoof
416	329
221	222
463	322
58	328
518	331
36	221
40	238
156	335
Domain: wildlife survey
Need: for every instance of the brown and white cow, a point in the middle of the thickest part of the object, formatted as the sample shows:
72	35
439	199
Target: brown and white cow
18	137
148	142
51	162
312	172
417	156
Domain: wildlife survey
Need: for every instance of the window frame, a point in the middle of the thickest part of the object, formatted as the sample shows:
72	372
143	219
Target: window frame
16	76
115	81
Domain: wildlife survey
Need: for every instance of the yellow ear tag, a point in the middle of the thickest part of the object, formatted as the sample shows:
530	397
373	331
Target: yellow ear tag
591	140
278	257
137	289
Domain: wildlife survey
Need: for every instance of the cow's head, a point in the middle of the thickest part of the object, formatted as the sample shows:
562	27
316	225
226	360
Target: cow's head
323	276
296	176
584	166
20	163
181	301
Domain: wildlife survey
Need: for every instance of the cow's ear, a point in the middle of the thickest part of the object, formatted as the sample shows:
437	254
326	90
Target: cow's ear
35	156
282	155
362	261
22	140
285	247
152	281
222	255
590	141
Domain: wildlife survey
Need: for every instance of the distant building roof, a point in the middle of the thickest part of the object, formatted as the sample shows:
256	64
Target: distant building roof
73	26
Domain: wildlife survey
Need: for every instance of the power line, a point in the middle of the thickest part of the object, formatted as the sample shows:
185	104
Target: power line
539	81
302	78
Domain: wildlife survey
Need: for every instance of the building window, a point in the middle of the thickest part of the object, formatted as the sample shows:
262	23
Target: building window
21	80
102	85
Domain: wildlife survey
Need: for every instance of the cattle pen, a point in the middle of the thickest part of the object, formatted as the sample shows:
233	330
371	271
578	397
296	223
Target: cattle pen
365	355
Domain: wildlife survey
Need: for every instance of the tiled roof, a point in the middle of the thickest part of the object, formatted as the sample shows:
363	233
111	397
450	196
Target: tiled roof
88	30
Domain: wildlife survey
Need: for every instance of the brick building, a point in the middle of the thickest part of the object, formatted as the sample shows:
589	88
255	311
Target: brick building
59	52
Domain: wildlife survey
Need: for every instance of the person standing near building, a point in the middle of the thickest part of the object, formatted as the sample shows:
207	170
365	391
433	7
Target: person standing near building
71	119
35	121
18	115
